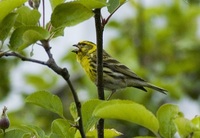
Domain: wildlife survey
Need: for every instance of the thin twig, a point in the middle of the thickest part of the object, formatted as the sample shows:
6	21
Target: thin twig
23	58
65	74
61	71
43	12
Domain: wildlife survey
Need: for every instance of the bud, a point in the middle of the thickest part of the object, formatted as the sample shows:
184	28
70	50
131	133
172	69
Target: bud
4	121
34	3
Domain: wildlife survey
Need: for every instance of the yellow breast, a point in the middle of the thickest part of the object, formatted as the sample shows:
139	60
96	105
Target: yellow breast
85	63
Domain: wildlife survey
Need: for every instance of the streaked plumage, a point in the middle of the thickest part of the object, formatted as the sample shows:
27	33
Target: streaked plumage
115	75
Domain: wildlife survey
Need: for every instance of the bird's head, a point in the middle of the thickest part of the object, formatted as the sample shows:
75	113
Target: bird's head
84	48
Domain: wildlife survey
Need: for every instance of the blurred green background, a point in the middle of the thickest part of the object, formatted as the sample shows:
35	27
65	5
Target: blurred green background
160	43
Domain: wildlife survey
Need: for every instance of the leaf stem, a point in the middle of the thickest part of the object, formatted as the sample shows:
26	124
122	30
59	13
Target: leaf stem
105	21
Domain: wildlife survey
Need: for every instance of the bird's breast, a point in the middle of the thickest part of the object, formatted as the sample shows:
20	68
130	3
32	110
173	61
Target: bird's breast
89	69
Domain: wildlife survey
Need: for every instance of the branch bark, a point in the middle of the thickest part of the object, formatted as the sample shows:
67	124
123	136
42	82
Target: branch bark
60	71
100	87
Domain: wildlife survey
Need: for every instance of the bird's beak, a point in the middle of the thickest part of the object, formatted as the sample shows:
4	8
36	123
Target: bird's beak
75	50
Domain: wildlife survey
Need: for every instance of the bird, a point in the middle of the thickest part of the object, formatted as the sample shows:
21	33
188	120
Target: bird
115	74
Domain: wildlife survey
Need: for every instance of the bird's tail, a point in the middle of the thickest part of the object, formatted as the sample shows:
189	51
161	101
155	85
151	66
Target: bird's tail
149	85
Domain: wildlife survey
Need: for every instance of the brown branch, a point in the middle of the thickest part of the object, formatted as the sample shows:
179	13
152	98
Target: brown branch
23	58
100	86
100	23
60	71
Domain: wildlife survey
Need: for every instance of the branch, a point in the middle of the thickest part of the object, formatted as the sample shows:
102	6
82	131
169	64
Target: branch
23	58
61	71
99	35
43	10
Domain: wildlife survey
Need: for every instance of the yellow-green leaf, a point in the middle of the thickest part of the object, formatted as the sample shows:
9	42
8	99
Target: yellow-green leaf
185	127
129	111
62	128
24	36
69	14
46	100
166	114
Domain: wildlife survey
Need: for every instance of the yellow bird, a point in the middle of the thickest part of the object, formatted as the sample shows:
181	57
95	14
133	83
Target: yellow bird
115	75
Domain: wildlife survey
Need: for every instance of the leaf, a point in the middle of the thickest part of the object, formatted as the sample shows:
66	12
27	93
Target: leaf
73	111
6	6
33	130
62	128
54	3
93	4
185	127
6	25
24	36
40	82
196	134
196	121
166	114
87	112
114	4
69	14
46	100
129	111
14	133
144	137
53	135
108	133
24	14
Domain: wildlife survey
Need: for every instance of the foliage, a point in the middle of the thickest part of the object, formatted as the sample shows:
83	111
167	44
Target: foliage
168	120
169	50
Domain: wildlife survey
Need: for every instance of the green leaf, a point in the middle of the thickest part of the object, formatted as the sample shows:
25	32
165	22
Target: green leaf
196	134
196	121
54	3
114	4
69	14
6	25
93	4
108	133
62	128
129	111
185	127
24	36
46	100
6	6
87	110
14	133
166	114
40	82
34	131
24	14
144	137
73	111
53	135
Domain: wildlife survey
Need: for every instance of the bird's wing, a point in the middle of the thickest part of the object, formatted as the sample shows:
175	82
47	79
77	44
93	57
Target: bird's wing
116	66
